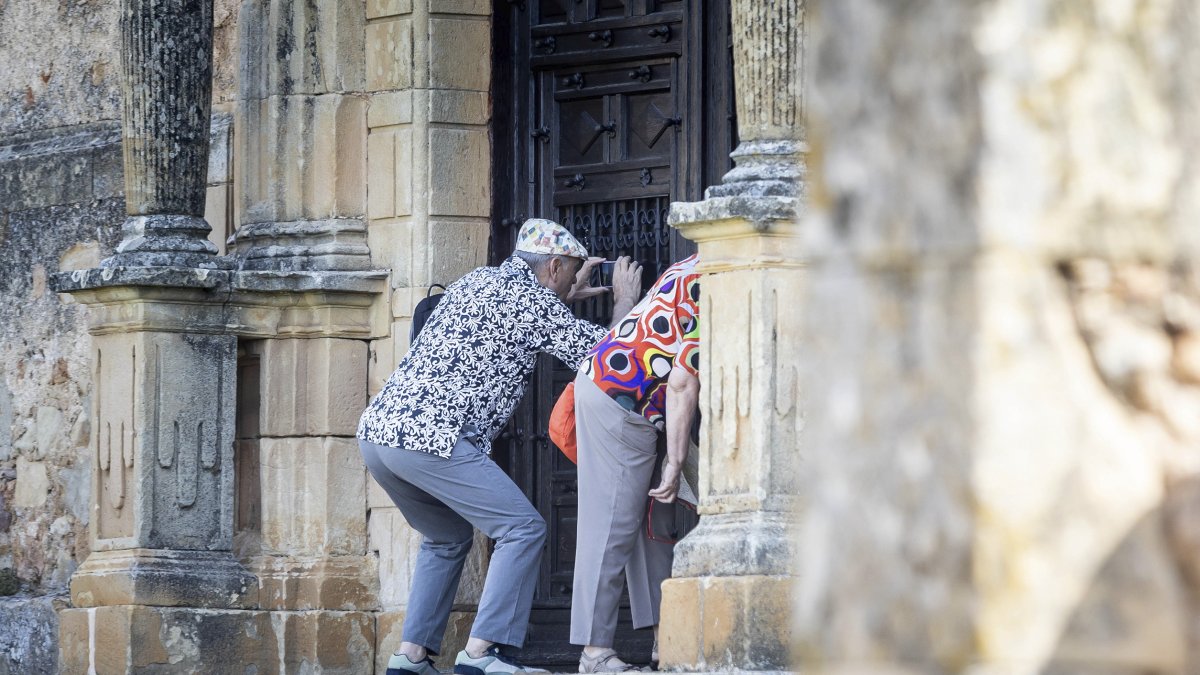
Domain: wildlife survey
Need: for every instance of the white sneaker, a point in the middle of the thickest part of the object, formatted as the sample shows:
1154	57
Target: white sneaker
400	664
492	661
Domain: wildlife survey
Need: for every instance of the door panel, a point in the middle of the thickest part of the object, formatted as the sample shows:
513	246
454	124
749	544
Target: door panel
604	111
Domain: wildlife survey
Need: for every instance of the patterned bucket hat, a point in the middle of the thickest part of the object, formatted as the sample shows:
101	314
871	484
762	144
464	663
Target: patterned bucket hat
539	235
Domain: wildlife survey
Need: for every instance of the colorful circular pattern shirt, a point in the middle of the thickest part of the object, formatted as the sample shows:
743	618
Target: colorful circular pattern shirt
632	362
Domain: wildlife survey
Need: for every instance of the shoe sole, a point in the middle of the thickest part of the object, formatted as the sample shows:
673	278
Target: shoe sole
461	669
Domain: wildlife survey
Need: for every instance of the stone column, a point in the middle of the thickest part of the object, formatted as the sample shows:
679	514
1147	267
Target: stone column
163	367
301	137
166	60
727	605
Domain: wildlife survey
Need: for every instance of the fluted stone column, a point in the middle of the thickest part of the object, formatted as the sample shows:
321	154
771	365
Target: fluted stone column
166	60
301	136
727	605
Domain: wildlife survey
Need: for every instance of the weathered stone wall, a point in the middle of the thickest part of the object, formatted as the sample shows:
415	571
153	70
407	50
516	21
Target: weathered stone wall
61	207
1001	442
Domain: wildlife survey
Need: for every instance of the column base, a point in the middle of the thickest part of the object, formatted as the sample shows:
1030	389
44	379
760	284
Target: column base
163	577
347	583
736	544
335	244
726	623
166	240
125	639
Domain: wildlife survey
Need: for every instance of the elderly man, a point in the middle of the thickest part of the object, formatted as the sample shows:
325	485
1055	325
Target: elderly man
427	435
642	377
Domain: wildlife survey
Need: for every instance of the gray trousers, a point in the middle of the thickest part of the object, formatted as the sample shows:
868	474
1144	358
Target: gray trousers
444	500
617	459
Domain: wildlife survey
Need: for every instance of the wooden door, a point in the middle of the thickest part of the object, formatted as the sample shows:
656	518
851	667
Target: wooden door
604	112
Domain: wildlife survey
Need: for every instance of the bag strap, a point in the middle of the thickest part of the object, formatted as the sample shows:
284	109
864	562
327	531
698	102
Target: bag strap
430	291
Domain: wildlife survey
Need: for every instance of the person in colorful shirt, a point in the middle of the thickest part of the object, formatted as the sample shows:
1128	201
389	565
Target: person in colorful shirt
426	437
640	379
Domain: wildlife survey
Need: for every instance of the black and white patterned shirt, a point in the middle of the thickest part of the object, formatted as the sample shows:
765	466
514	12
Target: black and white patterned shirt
473	359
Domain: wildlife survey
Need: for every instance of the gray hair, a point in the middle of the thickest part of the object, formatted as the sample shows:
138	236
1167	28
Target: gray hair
538	261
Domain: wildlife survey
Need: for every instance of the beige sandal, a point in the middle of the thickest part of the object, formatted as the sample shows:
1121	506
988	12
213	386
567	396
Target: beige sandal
605	663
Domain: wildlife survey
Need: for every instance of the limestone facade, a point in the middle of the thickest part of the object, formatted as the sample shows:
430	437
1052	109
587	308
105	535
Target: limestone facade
953	377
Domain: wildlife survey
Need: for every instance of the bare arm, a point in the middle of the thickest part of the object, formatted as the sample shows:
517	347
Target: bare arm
627	287
683	394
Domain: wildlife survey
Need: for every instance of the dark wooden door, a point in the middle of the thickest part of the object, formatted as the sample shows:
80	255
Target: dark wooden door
604	112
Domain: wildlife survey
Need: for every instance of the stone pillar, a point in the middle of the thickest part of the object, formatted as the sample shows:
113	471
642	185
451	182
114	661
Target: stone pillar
428	210
166	60
301	136
162	486
728	603
311	479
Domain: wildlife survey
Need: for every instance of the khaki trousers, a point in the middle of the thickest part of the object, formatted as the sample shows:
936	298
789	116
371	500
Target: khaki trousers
617	458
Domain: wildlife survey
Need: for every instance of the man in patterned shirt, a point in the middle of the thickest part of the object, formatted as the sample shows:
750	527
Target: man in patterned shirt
640	379
426	437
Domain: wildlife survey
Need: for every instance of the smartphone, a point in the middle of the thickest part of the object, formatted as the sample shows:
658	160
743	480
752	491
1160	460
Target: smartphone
602	274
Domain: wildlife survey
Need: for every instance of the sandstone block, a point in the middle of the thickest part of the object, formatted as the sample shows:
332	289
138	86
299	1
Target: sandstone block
336	184
389	108
376	496
49	439
480	7
321	177
383	362
390	162
33	484
164	639
382	8
679	627
450	65
327	59
313	387
459	172
404	300
720	623
1185	360
389	633
165	487
220	168
456	248
389	55
397	544
450	106
381	163
343	583
216	213
314	497
393	246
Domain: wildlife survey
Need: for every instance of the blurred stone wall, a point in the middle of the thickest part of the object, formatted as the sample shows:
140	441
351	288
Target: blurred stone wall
1003	433
61	208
